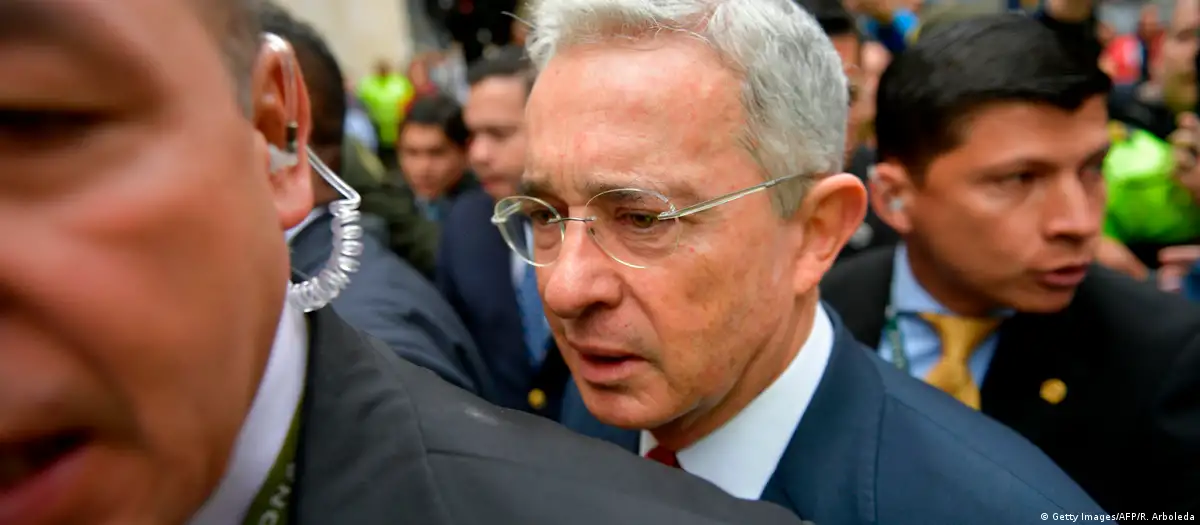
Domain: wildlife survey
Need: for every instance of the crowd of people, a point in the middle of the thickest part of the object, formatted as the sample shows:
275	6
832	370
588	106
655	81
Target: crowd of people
731	262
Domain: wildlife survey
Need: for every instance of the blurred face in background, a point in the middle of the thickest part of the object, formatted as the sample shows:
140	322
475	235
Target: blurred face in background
430	161
1149	26
495	116
142	260
875	59
849	48
1179	56
1011	217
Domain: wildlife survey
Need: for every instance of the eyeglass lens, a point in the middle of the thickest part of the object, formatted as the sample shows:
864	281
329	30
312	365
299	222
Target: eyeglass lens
623	222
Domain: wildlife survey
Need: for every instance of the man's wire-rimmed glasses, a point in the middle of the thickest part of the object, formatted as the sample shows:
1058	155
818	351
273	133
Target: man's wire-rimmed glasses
636	227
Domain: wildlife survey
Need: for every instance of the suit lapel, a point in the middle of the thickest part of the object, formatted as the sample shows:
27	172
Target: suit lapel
1035	350
860	290
827	473
360	457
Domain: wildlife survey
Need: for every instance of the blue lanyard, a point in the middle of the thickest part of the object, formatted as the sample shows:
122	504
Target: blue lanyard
892	334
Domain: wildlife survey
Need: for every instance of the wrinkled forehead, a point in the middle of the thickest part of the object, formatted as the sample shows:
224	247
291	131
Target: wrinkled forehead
159	43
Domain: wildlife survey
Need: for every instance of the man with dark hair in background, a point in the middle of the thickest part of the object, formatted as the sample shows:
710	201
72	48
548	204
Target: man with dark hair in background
156	369
433	154
493	291
994	182
386	297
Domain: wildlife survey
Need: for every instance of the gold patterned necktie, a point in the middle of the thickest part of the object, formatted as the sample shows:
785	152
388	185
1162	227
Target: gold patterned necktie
960	337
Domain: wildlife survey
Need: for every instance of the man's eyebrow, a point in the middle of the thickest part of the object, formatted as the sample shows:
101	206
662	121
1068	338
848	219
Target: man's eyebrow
677	192
36	20
57	23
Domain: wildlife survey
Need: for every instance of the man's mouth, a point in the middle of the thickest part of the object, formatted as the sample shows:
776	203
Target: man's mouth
605	365
22	462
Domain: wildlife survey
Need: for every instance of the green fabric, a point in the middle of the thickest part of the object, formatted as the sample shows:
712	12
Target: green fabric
274	499
384	99
1145	201
411	236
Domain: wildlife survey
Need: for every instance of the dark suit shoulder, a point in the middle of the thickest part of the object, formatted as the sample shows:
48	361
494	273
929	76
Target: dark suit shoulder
467	211
866	263
1163	322
388	299
494	465
966	457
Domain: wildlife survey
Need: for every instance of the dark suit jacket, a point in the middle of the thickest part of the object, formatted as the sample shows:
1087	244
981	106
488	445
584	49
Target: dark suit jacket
878	447
390	300
384	442
1128	430
475	275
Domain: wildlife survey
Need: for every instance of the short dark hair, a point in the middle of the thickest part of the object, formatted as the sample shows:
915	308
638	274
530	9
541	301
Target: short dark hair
833	16
439	110
235	26
321	71
508	62
930	91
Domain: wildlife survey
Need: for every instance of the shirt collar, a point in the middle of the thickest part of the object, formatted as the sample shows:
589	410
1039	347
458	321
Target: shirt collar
266	426
908	296
756	438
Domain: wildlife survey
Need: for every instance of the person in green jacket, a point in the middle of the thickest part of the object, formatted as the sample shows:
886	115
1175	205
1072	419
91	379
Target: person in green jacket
1148	207
385	94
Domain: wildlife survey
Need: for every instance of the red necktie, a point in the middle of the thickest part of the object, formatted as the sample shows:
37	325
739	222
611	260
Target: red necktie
663	455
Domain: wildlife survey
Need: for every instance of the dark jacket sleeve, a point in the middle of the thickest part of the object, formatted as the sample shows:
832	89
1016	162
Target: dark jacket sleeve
1176	433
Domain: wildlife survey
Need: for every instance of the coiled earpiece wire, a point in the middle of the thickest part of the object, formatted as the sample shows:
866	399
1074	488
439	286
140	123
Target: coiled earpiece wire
318	291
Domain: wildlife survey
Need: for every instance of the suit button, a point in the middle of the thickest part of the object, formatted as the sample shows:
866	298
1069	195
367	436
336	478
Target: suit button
537	399
1053	391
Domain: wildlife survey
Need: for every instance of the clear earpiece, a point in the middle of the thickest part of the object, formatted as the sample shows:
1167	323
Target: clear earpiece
323	288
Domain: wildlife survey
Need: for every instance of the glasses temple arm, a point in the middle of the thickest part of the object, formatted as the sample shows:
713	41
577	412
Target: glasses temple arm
710	204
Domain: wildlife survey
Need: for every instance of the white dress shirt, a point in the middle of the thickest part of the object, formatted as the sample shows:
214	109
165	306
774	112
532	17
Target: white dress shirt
266	426
741	456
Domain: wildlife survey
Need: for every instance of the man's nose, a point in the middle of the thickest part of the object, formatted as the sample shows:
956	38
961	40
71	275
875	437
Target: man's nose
1075	208
480	151
581	277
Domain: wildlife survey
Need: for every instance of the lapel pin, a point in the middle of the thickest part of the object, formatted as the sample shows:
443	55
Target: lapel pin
1054	390
537	399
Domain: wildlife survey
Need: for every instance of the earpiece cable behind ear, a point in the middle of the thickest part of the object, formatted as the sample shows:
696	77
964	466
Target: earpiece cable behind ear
321	289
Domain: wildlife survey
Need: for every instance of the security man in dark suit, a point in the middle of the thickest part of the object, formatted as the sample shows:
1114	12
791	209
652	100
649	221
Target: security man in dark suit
991	140
388	298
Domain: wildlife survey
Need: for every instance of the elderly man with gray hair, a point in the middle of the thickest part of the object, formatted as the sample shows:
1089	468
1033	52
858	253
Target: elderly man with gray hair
682	200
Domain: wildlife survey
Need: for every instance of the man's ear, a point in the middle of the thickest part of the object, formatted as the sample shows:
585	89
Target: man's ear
832	211
282	114
892	193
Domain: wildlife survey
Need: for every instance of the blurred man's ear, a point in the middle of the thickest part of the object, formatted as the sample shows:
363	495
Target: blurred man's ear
891	191
282	117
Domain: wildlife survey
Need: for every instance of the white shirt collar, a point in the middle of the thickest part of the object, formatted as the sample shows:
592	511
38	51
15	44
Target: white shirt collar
741	456
313	215
266	425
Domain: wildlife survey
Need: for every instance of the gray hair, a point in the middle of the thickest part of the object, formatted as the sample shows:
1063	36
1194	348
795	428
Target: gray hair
794	93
